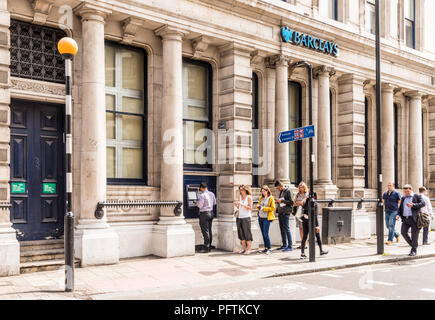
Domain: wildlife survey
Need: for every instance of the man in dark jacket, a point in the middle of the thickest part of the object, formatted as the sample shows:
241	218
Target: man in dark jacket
410	206
284	208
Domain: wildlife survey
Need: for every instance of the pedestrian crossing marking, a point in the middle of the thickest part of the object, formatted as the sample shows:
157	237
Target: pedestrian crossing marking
331	275
340	297
428	290
389	284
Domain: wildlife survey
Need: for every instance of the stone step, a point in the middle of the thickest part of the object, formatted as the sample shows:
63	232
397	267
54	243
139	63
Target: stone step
41	255
46	265
41	245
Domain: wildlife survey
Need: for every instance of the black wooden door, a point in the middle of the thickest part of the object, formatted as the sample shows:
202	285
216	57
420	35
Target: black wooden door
37	170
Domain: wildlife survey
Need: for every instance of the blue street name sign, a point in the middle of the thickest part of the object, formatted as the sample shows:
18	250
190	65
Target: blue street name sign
296	134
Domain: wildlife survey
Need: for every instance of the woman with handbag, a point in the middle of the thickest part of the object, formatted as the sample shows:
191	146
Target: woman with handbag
300	199
243	218
266	207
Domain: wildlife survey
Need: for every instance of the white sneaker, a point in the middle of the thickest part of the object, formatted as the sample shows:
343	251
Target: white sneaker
269	252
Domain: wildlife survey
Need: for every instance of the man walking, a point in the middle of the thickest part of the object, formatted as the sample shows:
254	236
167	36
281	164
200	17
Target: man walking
427	209
285	206
410	206
206	201
391	201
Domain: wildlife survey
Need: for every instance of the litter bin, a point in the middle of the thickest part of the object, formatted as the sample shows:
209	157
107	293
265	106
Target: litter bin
336	225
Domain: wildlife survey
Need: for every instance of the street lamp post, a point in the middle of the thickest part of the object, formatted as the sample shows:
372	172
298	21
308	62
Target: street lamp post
311	222
379	208
67	47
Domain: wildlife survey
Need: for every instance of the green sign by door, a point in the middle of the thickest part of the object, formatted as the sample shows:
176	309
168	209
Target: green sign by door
49	188
18	187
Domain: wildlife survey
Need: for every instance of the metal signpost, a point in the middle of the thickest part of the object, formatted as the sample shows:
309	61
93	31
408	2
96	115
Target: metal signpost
379	208
306	133
68	48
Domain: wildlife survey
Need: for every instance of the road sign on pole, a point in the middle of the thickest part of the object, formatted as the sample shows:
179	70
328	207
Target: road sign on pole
296	134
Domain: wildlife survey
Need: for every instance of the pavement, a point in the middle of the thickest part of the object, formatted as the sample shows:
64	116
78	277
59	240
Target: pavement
151	275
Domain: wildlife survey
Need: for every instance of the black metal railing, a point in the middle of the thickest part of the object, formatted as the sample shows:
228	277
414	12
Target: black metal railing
99	211
5	206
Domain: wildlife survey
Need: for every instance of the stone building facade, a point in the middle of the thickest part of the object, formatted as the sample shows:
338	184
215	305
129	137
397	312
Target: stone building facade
167	94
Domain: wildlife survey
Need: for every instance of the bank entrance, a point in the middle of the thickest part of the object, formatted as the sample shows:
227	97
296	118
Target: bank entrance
37	179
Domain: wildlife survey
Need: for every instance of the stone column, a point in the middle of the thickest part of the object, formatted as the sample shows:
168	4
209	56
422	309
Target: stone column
431	165
282	164
9	246
96	243
324	187
387	135
234	147
350	144
172	236
270	115
415	141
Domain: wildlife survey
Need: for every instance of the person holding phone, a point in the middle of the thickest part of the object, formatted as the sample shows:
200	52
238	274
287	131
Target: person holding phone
266	207
243	218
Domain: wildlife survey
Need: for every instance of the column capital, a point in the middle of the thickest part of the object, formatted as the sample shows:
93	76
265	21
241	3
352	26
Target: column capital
168	32
278	60
90	11
324	71
414	95
387	87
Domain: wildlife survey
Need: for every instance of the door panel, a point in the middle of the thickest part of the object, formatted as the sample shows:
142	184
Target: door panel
37	160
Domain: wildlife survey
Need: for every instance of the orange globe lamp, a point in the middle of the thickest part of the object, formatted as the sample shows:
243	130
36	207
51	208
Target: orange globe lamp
67	47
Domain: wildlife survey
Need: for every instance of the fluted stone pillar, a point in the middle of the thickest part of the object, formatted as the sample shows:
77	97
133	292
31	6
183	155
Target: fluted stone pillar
282	163
324	186
387	135
172	236
96	243
415	141
9	246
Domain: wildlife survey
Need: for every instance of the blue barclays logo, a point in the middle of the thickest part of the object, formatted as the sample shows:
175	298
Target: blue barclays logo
308	41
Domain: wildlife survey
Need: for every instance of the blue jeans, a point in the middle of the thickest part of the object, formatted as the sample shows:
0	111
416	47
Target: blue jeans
390	222
264	227
285	230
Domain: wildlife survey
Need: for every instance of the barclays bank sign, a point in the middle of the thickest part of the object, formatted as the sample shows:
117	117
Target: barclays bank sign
308	41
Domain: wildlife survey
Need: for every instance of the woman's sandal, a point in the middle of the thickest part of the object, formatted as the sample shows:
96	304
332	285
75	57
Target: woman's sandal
247	252
241	251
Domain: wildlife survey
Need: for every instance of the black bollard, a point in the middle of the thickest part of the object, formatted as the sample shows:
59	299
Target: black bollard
69	251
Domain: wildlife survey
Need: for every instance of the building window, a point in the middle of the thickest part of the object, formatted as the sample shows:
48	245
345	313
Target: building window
197	116
34	52
371	16
255	135
295	117
332	9
125	113
410	23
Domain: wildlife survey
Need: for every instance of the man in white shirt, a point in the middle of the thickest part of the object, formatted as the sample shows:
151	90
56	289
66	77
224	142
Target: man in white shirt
428	209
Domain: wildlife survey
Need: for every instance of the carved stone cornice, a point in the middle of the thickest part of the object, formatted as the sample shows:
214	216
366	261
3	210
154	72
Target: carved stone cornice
92	11
129	29
324	70
200	45
41	10
278	60
37	86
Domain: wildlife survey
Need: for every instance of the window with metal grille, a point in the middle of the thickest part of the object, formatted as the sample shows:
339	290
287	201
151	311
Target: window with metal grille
34	52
